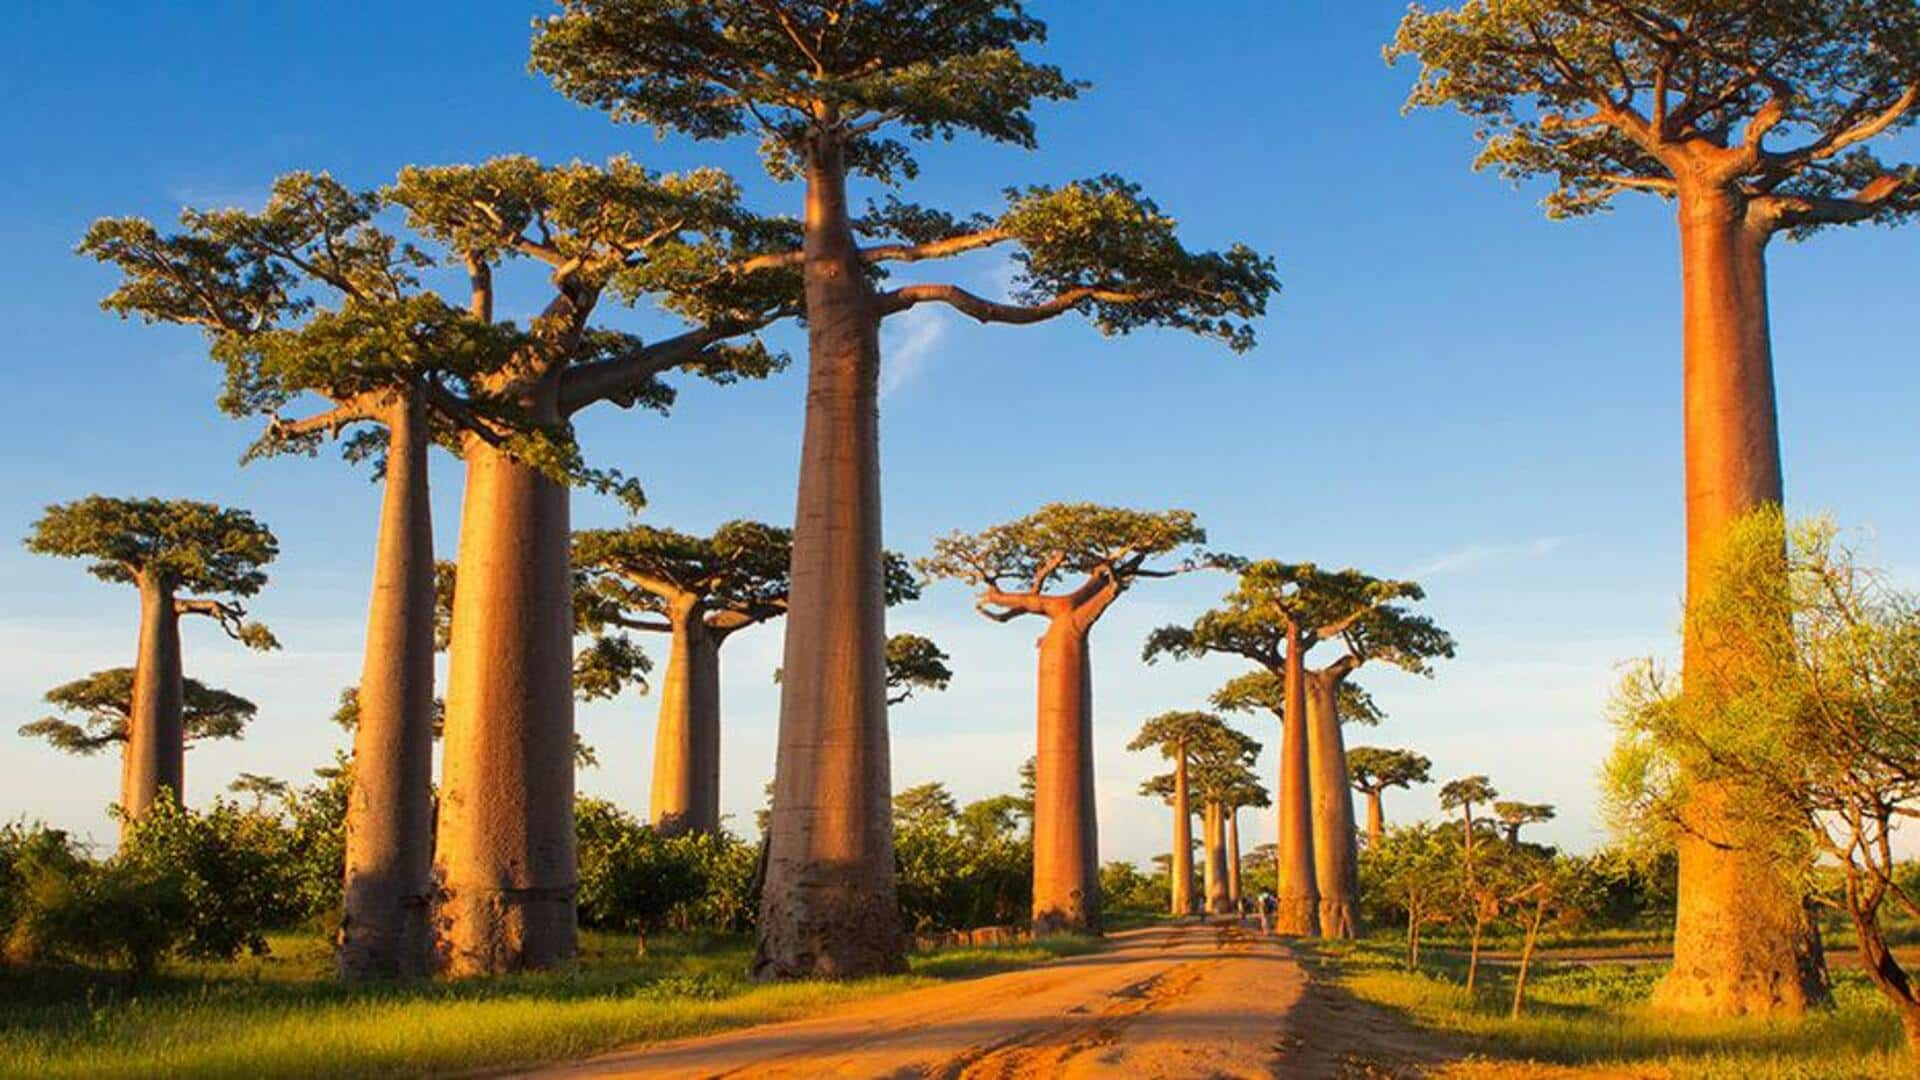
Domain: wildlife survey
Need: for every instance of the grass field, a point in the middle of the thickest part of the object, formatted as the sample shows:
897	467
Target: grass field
1597	1017
281	1015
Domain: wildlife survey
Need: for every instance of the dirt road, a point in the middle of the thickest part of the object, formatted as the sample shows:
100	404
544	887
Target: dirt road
1187	1001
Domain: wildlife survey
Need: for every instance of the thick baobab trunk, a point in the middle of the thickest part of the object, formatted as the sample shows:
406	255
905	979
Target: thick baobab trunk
1336	855
1743	943
156	754
1299	901
829	906
686	742
385	926
1218	893
1066	867
506	863
1233	855
1376	820
1180	863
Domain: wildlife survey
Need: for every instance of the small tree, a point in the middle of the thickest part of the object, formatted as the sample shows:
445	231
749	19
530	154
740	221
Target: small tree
1513	816
1018	568
164	548
1463	795
838	92
1413	868
1372	770
1815	708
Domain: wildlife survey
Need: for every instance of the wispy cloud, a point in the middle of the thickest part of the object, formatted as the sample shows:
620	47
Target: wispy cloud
1476	556
219	197
906	345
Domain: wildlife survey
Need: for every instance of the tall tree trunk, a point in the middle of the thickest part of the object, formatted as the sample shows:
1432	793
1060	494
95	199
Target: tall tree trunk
1526	959
1336	855
1233	855
1181	859
829	907
1066	868
1376	820
1513	835
1216	852
506	860
1743	943
685	796
1299	901
385	927
156	736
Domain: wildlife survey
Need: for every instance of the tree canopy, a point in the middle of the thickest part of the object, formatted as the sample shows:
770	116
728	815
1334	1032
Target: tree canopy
915	663
1776	100
1467	792
838	83
1515	814
313	295
1373	768
103	704
1015	564
1272	598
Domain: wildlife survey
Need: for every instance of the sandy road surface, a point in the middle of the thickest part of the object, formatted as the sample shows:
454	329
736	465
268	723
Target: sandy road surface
1186	1001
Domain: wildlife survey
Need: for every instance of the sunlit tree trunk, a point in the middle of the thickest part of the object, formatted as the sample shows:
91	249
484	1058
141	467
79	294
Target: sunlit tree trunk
1066	869
1743	942
505	861
1218	890
1335	844
385	927
1299	901
829	907
156	737
1180	864
1233	854
1376	819
685	796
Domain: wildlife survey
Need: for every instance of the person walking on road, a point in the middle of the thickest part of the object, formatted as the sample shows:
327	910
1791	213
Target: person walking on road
1269	907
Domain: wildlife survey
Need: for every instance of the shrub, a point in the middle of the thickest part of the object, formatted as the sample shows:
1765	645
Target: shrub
234	868
121	913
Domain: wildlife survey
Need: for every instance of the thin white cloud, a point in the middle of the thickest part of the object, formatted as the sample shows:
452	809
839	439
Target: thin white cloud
906	344
1476	556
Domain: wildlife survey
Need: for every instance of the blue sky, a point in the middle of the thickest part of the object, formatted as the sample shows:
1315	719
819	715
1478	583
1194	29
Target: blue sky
1451	387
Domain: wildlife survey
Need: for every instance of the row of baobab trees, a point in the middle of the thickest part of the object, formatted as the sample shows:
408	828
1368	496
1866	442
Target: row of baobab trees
1755	119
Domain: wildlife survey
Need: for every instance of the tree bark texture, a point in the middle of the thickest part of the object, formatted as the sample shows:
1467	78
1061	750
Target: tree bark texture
506	859
385	926
1743	943
156	754
1066	867
1299	900
1336	856
1216	856
829	906
1233	854
1376	819
1181	858
685	796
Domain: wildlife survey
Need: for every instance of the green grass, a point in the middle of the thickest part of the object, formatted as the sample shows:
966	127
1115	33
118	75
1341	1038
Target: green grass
281	1015
1597	1016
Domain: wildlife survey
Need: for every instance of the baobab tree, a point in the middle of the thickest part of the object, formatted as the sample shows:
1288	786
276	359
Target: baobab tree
505	854
1175	735
699	590
1104	550
102	703
1754	119
1463	795
166	549
1276	613
1222	774
1372	770
1513	816
311	299
829	88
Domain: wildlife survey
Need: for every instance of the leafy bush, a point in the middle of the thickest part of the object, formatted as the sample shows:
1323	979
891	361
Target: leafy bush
68	908
1124	888
960	868
631	877
234	867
